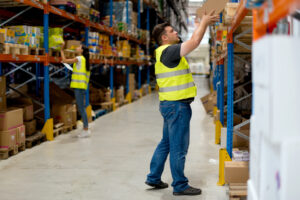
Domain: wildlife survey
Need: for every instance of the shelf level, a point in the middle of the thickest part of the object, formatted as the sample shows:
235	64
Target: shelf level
22	58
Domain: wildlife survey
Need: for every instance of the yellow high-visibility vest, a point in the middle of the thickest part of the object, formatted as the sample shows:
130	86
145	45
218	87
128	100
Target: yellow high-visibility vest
80	76
174	83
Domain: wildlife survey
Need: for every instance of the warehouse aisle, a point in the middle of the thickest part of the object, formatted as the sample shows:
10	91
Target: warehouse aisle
113	163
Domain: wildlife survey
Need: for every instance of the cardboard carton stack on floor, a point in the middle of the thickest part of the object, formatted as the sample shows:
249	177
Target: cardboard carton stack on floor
64	113
12	130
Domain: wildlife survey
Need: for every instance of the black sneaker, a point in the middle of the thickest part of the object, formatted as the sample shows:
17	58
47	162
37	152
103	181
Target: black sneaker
189	191
160	185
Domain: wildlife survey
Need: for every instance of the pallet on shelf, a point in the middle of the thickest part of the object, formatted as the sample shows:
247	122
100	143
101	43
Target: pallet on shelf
237	191
35	139
68	128
58	129
14	49
5	153
37	51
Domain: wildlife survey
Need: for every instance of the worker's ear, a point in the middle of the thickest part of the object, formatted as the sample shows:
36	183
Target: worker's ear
164	37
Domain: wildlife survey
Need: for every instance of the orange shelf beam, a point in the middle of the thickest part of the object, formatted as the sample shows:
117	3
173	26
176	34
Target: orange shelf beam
32	3
280	9
242	11
22	58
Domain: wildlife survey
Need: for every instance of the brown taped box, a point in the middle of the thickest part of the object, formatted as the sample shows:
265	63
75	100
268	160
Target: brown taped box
30	127
72	44
11	118
8	139
236	172
74	114
27	106
2	85
20	135
207	103
2	38
3	105
238	141
208	6
120	95
62	113
107	97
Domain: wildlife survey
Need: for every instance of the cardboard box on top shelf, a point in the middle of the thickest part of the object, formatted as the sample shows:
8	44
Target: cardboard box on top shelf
72	44
11	118
8	139
30	127
3	104
20	135
236	171
208	6
2	85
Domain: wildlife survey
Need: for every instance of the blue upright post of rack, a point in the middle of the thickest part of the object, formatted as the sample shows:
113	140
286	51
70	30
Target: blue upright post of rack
222	91
127	67
230	77
86	43
46	68
111	44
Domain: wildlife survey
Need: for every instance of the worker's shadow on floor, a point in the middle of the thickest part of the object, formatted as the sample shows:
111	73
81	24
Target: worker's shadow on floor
167	194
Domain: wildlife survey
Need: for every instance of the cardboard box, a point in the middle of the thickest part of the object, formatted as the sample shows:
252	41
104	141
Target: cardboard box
120	95
2	85
3	105
8	139
74	114
208	6
2	38
107	97
236	172
72	44
11	118
62	113
20	135
27	112
207	103
131	84
30	127
27	106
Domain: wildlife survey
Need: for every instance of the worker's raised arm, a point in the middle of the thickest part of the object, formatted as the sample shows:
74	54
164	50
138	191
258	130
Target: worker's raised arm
194	41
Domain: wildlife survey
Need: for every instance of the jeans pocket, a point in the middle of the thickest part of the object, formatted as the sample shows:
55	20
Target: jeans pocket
167	110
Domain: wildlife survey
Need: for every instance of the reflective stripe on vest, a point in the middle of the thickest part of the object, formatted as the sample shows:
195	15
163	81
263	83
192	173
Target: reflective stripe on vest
171	74
174	83
178	87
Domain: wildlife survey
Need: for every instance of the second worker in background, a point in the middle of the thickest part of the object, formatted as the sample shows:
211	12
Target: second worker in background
176	92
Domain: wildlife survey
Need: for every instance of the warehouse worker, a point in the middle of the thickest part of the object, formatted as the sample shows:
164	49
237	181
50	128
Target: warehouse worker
176	92
79	81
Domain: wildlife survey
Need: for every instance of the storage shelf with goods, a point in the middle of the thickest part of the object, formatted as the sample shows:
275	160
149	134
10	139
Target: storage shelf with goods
271	140
231	91
30	60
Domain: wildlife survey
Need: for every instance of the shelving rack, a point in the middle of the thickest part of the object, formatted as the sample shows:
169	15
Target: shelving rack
47	60
264	18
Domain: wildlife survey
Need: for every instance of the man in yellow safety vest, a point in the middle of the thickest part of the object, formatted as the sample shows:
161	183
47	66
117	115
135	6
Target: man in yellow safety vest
176	92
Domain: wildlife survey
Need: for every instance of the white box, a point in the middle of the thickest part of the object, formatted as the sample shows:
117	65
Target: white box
252	194
275	78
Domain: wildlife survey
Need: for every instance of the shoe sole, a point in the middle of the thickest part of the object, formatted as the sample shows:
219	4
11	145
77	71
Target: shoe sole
156	186
183	194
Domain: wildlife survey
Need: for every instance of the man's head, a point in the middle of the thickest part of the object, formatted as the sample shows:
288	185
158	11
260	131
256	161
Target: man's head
165	34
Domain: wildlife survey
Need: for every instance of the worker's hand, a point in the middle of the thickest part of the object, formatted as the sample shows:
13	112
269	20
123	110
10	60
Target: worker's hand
209	19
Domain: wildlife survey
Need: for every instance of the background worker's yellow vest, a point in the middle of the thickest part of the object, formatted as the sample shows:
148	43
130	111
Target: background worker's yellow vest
80	77
174	83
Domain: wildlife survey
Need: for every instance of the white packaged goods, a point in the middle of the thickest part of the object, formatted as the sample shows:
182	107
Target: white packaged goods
275	79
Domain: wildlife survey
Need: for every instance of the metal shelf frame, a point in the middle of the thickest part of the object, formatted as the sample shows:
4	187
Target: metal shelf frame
46	61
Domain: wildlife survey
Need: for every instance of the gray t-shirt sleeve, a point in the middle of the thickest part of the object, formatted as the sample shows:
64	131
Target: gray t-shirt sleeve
170	57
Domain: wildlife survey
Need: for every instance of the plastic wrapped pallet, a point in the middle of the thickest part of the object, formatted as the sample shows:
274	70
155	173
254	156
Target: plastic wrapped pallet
55	38
119	10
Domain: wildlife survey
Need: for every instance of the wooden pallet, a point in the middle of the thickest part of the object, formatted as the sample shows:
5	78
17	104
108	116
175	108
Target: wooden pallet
107	106
5	153
37	51
22	147
35	139
68	128
54	53
58	129
95	56
238	191
15	49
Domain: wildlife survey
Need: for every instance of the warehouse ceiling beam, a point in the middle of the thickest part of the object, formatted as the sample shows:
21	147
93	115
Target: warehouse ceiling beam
17	15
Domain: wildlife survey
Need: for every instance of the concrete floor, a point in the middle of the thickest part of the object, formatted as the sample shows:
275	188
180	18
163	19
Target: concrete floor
114	162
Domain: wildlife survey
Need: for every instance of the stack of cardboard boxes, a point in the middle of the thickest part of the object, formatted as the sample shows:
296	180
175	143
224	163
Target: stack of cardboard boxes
2	93
64	113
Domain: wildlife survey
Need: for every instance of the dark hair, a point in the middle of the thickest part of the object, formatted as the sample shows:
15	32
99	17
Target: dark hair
86	55
159	30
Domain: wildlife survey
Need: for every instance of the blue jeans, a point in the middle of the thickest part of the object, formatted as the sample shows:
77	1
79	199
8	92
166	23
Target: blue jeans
79	96
175	140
